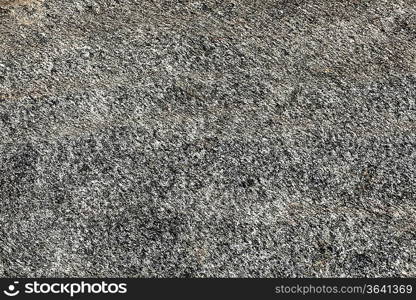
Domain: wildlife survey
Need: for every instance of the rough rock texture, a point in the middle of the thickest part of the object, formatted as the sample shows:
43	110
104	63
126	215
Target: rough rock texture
208	138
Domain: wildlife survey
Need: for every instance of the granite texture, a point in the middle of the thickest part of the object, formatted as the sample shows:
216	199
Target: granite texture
237	138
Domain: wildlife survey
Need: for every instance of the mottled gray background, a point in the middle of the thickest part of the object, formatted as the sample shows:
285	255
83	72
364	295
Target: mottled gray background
253	138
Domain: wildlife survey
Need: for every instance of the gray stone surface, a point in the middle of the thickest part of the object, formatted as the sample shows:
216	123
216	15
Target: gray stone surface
207	138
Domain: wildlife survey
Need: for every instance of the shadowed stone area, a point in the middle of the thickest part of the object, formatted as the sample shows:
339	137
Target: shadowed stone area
237	138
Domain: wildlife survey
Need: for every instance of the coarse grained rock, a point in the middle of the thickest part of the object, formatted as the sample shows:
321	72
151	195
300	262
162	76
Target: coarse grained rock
238	138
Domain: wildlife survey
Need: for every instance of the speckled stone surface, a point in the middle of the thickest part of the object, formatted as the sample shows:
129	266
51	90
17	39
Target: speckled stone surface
235	138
